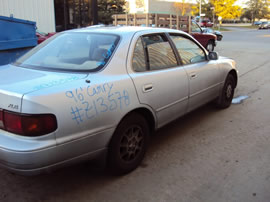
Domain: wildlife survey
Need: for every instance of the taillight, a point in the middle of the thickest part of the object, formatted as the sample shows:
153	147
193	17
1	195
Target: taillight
28	124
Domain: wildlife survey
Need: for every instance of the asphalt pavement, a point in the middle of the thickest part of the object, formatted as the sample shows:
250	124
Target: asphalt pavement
209	155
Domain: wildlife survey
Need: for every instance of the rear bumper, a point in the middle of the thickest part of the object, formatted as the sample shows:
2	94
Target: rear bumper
34	170
48	157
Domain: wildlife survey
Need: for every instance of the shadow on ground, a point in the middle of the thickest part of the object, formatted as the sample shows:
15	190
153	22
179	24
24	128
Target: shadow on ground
92	175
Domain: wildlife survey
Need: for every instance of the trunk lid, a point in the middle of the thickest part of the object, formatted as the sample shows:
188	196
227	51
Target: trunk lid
16	82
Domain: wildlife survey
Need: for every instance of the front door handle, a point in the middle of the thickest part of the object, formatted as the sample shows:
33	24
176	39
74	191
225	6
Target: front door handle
147	88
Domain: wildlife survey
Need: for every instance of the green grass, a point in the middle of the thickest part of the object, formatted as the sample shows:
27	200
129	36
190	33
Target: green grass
250	27
244	27
222	29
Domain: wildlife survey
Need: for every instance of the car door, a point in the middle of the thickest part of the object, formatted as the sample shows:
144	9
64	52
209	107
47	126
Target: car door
197	33
204	75
160	81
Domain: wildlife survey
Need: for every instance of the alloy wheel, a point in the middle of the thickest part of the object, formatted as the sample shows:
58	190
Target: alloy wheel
131	143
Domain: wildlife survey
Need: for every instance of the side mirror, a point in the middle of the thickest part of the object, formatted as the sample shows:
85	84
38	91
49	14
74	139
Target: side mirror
212	56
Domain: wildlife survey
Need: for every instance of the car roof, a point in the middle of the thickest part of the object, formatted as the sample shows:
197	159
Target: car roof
123	30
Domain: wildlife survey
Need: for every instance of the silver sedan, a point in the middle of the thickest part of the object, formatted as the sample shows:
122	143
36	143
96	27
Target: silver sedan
88	92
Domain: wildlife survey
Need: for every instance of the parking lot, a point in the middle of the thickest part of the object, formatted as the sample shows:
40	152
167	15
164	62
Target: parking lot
208	155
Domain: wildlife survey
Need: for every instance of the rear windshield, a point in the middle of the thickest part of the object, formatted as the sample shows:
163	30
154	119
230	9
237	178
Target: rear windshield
71	51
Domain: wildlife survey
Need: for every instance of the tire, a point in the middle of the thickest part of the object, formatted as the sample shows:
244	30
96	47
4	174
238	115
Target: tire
219	38
210	46
225	99
128	144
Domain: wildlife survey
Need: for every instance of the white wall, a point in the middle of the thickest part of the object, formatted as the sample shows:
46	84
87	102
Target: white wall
162	6
40	11
153	6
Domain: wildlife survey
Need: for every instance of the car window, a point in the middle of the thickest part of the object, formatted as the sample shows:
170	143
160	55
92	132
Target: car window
138	60
159	52
210	31
188	50
195	27
72	51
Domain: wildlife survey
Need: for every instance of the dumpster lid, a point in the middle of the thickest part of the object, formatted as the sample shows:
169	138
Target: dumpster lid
12	19
18	33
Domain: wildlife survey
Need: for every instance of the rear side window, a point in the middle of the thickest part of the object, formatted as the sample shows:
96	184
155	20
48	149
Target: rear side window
138	60
160	52
188	50
72	51
153	52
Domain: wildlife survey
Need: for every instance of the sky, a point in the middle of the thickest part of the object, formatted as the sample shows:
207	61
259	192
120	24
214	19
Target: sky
241	2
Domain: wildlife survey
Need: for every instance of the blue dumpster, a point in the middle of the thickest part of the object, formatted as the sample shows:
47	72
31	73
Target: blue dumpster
16	38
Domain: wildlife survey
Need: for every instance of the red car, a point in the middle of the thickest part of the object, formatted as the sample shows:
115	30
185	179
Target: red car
206	23
43	36
208	40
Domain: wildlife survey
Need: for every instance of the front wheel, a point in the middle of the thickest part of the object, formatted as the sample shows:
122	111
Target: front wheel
210	46
128	145
219	38
225	99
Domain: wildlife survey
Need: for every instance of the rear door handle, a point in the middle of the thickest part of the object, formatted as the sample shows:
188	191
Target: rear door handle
147	88
193	75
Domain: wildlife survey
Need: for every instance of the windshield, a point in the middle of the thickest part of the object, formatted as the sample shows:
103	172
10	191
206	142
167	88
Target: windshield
71	51
195	27
210	31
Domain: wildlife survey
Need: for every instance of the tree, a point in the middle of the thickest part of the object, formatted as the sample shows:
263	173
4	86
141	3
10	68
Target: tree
246	14
139	3
106	8
226	9
258	9
205	9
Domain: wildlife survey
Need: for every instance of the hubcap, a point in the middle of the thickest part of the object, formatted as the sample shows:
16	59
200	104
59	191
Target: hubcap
131	143
210	47
229	91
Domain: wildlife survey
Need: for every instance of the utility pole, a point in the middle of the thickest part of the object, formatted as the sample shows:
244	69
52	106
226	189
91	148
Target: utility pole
200	11
95	12
65	15
80	14
213	8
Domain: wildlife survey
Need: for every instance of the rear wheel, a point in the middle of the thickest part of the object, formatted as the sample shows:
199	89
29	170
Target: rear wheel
128	145
210	46
225	99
